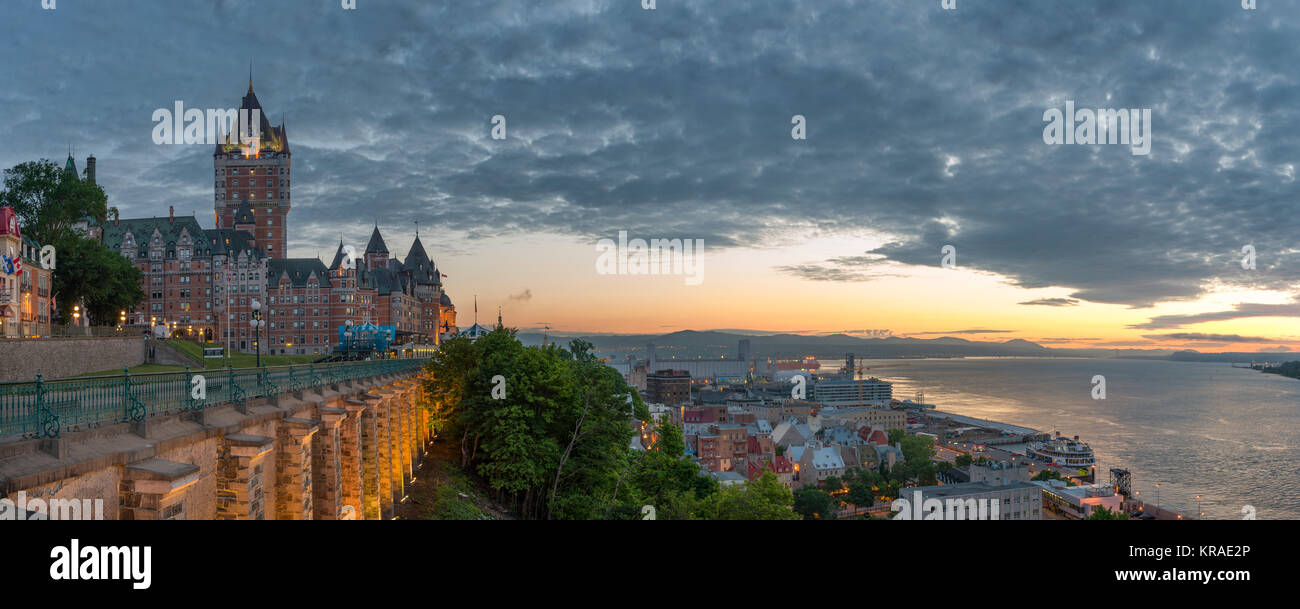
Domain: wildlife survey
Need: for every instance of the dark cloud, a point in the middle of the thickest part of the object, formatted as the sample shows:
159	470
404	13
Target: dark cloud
970	331
1052	302
923	125
1218	338
523	296
1239	311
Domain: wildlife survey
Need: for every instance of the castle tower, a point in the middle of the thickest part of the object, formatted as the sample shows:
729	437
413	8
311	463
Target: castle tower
254	167
376	251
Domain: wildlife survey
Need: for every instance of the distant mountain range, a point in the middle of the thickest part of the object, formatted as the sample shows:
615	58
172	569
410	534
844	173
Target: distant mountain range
714	344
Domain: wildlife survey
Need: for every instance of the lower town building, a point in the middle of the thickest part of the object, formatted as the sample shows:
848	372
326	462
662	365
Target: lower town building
973	501
669	387
1079	501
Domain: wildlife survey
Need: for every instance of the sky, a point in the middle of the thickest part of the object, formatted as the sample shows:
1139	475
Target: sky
923	128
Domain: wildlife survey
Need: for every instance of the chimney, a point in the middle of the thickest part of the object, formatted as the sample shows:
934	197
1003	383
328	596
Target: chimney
171	214
90	168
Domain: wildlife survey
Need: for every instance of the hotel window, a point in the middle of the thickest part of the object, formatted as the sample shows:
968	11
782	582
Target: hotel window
270	195
269	182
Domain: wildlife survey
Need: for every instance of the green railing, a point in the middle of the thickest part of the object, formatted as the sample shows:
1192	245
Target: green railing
45	408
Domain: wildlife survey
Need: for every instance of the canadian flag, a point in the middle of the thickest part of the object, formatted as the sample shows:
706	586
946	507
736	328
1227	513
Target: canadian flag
18	265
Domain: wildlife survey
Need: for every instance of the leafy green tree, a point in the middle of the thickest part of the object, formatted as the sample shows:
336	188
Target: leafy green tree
48	200
102	279
1047	474
671	441
1104	513
861	494
814	504
895	436
764	498
963	460
832	484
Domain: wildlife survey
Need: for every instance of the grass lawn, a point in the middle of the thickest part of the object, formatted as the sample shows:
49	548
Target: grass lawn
141	369
237	359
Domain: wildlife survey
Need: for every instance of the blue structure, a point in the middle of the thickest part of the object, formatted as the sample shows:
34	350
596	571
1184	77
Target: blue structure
366	338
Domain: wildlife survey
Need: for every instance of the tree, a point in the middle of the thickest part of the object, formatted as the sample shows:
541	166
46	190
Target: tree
1047	474
1104	513
814	504
49	200
895	436
963	460
763	498
101	279
861	494
671	441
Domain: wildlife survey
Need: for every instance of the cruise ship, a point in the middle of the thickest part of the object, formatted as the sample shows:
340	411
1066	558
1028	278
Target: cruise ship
1062	452
808	363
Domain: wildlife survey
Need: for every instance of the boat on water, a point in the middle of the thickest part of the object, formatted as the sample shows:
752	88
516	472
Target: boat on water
808	363
1061	451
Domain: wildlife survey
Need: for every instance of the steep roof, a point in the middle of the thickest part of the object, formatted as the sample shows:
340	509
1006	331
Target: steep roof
382	279
419	265
445	300
273	138
297	270
376	245
231	242
170	233
339	255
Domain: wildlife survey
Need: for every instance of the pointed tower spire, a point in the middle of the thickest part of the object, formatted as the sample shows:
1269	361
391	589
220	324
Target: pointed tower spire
499	324
250	75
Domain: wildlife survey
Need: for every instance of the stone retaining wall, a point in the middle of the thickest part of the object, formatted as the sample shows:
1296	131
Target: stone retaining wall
22	358
344	451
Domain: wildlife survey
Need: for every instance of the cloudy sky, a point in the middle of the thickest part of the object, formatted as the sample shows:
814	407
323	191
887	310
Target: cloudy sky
925	128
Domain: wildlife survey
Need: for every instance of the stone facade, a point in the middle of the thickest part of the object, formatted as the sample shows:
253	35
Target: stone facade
62	357
345	451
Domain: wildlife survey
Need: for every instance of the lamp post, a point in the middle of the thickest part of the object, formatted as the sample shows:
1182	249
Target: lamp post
257	324
1199	514
1157	499
347	338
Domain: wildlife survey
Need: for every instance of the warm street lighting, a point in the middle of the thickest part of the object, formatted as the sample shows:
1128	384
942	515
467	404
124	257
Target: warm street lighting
257	324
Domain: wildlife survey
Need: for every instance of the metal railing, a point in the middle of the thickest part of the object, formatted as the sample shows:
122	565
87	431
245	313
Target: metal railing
45	408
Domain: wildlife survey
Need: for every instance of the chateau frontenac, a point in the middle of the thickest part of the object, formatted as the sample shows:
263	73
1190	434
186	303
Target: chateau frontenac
202	283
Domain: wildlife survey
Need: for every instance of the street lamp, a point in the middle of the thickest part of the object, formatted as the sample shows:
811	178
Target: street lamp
1157	499
1199	514
347	338
257	324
